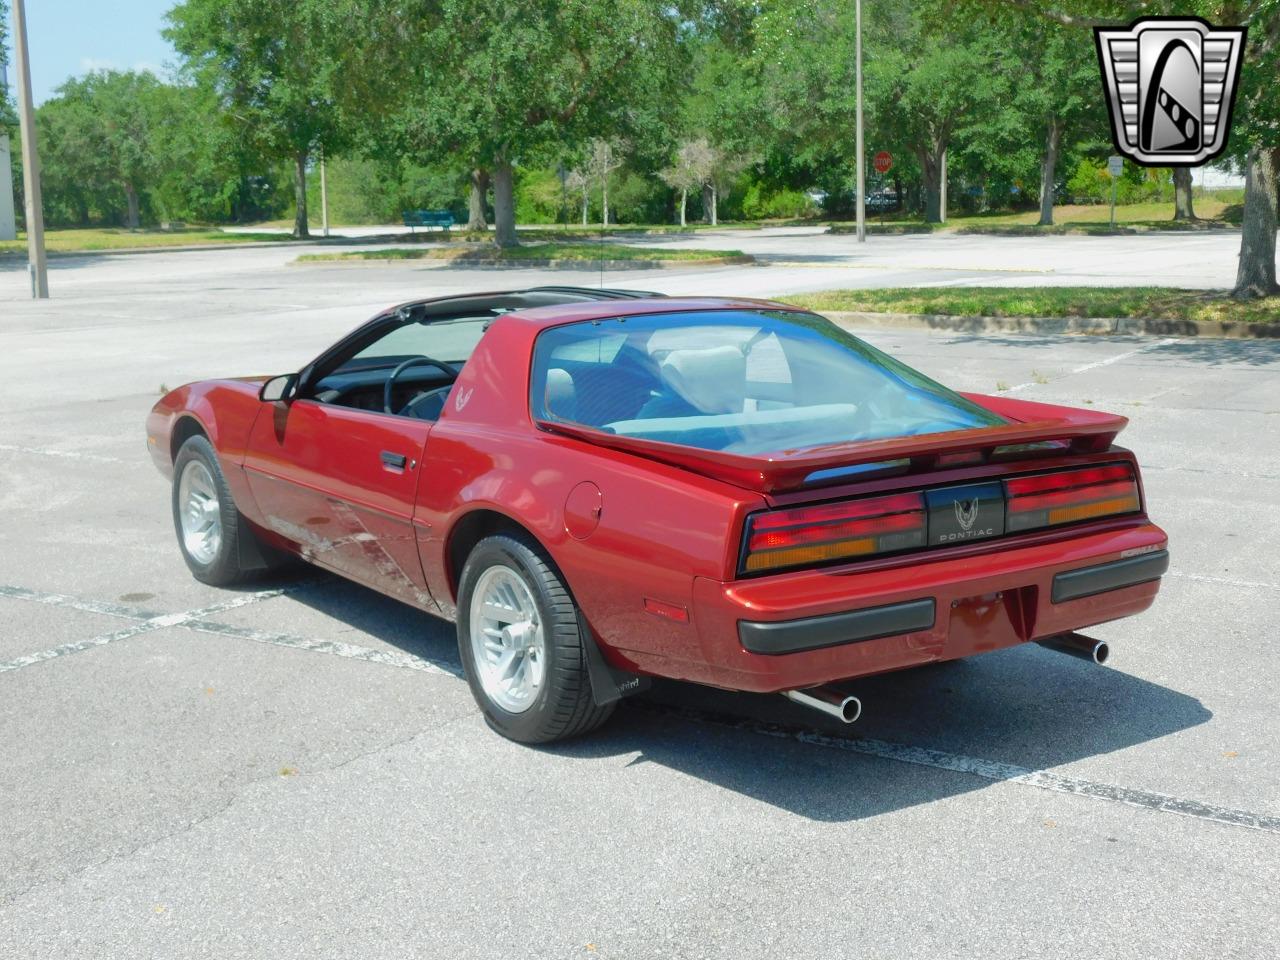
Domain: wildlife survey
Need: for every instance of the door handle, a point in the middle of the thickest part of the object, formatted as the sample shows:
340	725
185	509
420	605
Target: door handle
393	461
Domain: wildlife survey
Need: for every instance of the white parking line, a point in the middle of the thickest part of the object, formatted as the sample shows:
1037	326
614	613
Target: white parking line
1225	581
65	454
988	770
1100	363
75	603
335	648
78	646
157	622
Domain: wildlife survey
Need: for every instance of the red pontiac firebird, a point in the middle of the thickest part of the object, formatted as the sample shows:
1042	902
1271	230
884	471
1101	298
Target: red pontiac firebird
600	486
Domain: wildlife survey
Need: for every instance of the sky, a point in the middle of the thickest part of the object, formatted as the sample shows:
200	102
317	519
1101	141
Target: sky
71	37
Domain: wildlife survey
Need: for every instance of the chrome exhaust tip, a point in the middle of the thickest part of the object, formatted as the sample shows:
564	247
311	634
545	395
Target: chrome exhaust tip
1078	645
828	700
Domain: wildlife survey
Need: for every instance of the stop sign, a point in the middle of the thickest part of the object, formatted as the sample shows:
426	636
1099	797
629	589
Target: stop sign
883	161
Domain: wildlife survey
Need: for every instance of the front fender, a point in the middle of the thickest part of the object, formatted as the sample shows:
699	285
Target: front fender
224	411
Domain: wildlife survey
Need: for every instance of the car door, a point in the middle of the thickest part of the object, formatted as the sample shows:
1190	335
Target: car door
342	483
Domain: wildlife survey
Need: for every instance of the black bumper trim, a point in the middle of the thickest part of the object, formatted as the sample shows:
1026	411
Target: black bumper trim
832	630
1088	581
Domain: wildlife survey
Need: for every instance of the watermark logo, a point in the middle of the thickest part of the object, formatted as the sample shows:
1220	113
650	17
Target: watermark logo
1170	82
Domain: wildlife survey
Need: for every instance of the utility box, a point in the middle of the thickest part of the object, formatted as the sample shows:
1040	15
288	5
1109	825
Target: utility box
8	224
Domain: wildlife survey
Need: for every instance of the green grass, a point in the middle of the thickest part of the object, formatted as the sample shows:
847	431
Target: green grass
1152	303
1214	212
79	240
550	230
1207	208
529	251
875	226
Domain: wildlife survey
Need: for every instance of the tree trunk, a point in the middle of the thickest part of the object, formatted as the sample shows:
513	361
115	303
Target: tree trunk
684	199
1256	276
479	190
931	174
504	204
706	203
715	206
131	198
1049	171
604	200
1182	208
300	231
586	204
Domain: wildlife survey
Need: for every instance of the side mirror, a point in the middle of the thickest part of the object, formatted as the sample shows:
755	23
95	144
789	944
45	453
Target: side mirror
282	387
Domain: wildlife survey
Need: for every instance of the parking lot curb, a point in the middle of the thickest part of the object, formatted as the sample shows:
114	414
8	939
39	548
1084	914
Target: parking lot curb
481	263
1077	326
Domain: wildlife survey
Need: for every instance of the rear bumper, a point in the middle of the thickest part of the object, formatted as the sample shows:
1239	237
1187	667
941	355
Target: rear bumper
801	629
813	633
1090	581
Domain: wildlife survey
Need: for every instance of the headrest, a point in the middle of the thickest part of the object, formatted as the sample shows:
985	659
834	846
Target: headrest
561	398
711	379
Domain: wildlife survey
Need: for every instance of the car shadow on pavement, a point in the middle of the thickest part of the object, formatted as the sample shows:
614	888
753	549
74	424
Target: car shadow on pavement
1027	707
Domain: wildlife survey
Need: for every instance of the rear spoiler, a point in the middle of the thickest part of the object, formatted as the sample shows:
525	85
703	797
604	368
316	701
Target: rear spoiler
1084	430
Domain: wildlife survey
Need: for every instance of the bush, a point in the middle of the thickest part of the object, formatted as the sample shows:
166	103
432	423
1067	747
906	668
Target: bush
758	203
1090	183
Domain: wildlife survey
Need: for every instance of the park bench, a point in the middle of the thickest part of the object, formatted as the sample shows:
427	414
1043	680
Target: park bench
442	219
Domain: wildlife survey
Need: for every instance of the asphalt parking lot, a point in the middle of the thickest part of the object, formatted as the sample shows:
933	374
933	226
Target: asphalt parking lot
295	769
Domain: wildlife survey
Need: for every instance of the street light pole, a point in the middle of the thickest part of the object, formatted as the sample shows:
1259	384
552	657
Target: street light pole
862	160
37	264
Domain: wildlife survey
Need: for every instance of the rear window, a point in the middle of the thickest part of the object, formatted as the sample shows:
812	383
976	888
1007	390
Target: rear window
738	381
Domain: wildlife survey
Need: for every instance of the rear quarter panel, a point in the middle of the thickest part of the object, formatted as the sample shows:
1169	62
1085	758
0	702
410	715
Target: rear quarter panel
659	527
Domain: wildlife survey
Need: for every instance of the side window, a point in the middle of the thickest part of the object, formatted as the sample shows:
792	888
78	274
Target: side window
450	340
592	378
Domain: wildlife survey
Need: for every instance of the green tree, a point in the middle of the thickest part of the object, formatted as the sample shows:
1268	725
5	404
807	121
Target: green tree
524	80
1255	135
97	141
930	74
1055	79
276	67
8	117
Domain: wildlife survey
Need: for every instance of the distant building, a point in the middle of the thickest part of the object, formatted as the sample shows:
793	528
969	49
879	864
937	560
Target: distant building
8	224
1215	176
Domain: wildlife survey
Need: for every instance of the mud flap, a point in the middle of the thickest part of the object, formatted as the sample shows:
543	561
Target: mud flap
608	683
253	554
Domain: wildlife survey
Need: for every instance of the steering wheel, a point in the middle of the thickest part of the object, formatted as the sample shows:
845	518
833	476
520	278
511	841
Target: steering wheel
428	405
413	362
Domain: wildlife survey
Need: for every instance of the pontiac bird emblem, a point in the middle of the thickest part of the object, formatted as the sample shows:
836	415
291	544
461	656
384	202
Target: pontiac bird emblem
1170	83
463	398
967	513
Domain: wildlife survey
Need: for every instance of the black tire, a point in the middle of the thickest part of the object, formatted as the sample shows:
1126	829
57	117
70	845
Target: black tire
564	706
224	569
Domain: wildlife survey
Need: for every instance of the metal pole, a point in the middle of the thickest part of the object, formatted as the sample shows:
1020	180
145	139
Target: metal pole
37	263
942	189
324	196
1113	201
862	159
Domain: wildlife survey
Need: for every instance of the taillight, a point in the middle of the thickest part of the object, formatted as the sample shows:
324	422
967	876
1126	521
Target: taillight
834	531
1070	495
